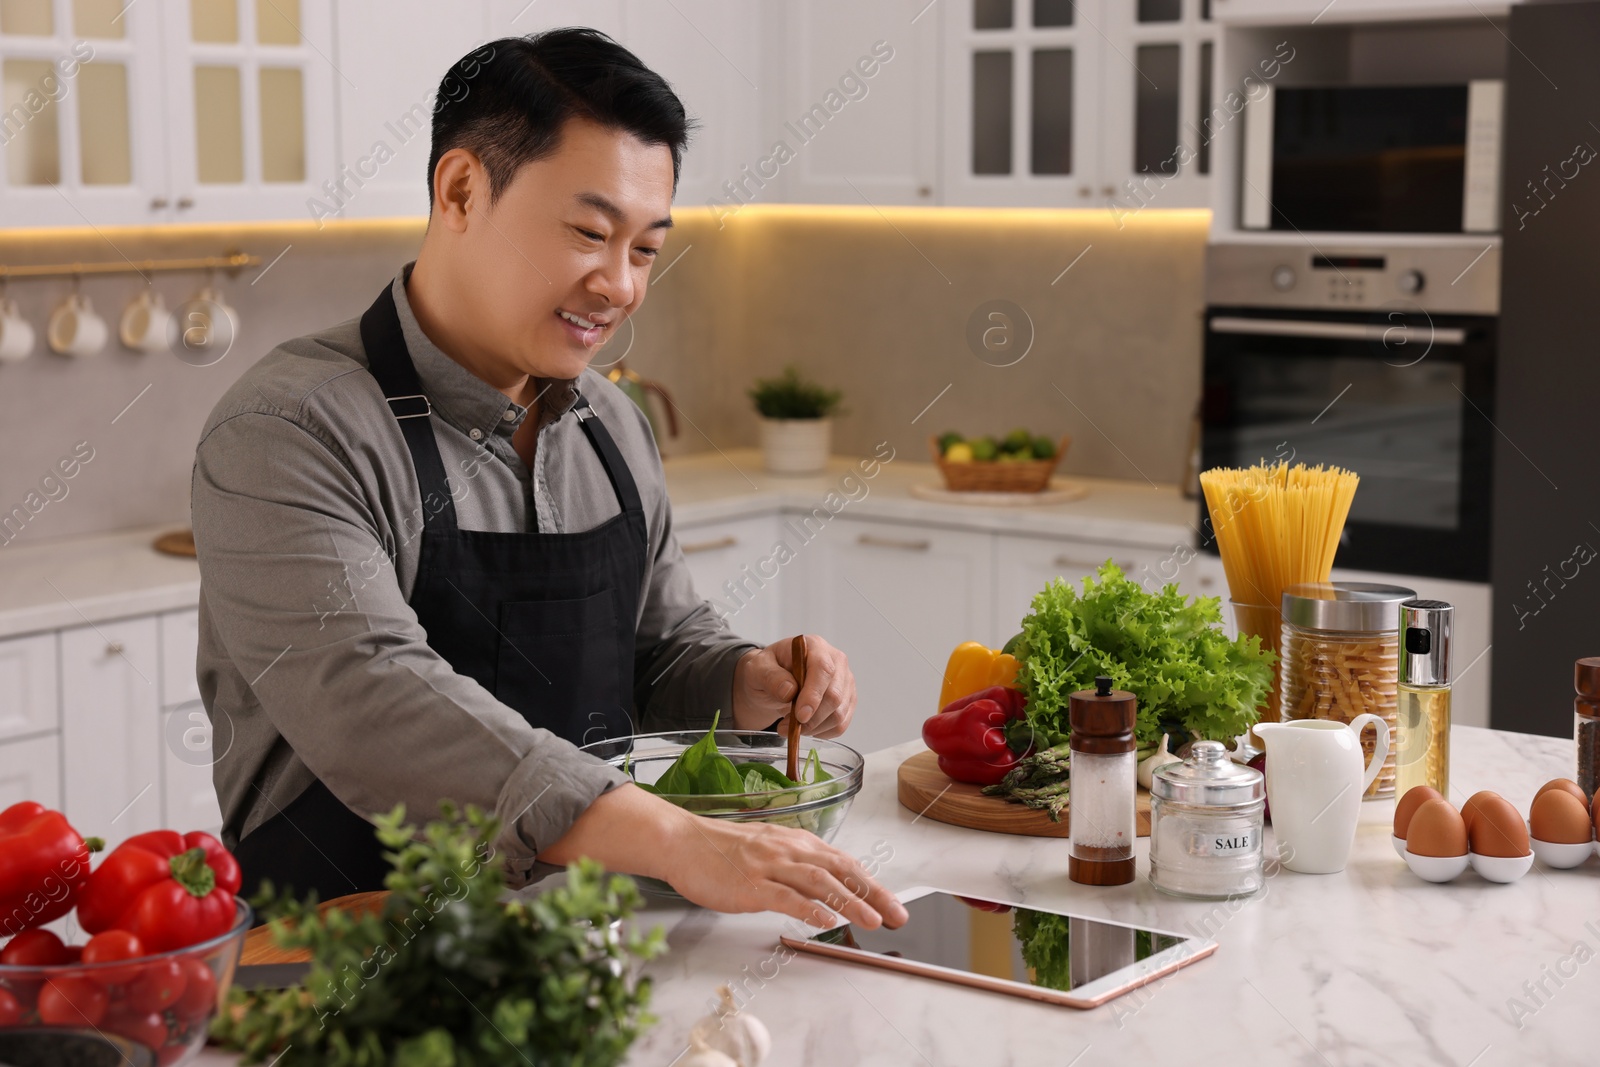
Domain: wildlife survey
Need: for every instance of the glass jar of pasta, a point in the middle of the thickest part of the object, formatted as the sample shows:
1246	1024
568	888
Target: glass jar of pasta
1341	658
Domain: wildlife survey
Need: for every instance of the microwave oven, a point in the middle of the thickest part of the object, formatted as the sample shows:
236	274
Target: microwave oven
1373	159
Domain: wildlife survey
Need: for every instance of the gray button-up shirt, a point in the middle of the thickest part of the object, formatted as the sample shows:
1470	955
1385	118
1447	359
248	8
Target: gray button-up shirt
308	522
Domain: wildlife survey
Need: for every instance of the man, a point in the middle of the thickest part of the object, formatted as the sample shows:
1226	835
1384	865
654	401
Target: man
436	551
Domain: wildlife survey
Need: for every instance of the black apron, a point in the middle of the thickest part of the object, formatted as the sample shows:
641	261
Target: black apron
543	621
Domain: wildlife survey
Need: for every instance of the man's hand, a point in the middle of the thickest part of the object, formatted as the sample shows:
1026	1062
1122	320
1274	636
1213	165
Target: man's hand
764	690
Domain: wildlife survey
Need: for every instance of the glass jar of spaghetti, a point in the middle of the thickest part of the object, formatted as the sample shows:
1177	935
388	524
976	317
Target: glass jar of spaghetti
1341	658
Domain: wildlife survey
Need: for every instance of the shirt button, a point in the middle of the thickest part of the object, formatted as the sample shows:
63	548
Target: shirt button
510	415
475	433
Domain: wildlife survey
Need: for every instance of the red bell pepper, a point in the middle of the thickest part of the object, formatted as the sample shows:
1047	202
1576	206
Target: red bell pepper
44	863
976	731
168	889
1014	701
978	771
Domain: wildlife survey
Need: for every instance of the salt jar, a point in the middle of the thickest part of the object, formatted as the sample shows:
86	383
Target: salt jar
1205	825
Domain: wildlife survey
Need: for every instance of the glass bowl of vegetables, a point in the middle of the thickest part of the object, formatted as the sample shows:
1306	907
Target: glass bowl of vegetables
739	775
164	1001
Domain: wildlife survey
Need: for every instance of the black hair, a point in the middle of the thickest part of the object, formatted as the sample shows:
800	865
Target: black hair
508	101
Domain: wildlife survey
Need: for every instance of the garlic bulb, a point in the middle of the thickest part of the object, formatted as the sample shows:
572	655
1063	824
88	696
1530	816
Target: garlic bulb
700	1056
1159	758
739	1036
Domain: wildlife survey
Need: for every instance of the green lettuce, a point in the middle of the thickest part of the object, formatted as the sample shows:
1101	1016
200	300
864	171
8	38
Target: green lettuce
1168	650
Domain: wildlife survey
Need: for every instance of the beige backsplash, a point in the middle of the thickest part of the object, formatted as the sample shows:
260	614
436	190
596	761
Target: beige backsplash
874	303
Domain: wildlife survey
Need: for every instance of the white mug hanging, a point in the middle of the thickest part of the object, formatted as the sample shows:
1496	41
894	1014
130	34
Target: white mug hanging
204	328
16	333
146	323
75	329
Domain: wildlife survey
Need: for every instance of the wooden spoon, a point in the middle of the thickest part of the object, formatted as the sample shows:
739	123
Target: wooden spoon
797	667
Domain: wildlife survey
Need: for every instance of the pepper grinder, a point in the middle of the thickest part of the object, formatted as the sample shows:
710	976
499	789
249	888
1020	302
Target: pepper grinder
1586	722
1103	777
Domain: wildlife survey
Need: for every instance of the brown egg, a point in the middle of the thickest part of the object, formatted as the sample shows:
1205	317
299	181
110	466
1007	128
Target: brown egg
1415	797
1469	810
1497	828
1436	830
1558	817
1595	812
1566	785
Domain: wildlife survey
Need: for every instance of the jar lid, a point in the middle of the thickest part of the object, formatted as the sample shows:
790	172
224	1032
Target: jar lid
1586	677
1351	606
1208	778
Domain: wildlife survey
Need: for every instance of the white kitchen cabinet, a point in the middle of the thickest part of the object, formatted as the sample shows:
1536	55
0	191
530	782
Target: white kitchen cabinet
189	798
180	645
1025	565
1051	103
31	770
1296	12
28	677
110	732
856	105
82	114
735	568
896	598
386	97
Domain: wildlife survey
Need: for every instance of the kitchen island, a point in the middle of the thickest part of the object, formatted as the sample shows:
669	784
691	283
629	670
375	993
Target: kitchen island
1369	966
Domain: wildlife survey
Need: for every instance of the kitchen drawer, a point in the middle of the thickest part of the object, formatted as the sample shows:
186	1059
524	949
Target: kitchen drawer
733	567
31	770
28	686
110	730
180	644
1025	565
189	798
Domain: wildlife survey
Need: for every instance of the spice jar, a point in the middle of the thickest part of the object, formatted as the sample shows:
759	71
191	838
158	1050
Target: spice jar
1104	774
1586	725
1205	825
1341	657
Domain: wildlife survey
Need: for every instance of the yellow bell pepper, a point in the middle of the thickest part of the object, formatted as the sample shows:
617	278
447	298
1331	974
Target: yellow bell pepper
974	666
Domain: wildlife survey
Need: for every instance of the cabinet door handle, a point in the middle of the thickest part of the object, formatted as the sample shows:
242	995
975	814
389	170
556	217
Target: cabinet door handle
710	546
185	202
894	542
157	203
115	648
1068	563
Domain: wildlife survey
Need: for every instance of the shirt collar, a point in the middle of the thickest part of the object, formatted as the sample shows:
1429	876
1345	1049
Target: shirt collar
461	397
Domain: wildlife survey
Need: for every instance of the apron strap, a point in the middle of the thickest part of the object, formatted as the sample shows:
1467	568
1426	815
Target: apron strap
610	456
390	363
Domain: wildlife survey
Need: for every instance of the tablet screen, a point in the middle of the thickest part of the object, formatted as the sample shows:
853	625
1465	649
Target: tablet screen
1038	948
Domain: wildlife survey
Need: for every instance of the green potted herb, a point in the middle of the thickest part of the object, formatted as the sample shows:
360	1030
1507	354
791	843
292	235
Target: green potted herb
796	422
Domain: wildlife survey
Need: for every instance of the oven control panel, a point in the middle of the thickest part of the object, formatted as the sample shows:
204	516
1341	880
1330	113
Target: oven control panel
1458	278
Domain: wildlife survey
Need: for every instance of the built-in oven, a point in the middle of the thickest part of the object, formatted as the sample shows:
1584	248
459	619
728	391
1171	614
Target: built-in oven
1381	361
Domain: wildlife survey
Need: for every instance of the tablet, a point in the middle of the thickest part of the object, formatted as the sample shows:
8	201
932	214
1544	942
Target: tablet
1003	947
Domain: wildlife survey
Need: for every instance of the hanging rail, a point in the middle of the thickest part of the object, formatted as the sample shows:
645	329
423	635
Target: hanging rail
232	263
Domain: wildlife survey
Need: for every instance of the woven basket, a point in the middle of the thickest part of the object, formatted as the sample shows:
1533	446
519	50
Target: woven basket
1023	476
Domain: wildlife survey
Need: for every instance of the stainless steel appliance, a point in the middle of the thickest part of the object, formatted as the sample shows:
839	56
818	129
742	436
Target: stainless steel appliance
1378	359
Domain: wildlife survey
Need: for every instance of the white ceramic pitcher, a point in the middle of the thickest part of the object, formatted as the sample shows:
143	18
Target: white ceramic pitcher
1315	780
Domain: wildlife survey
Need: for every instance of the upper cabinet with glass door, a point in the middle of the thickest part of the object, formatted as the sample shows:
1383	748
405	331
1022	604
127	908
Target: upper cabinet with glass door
1052	103
80	134
184	110
249	106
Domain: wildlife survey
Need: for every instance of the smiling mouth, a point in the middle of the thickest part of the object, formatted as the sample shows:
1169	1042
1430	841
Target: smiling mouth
580	322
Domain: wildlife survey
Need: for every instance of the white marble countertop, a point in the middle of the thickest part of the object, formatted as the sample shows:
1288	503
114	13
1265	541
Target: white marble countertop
708	486
1369	966
81	580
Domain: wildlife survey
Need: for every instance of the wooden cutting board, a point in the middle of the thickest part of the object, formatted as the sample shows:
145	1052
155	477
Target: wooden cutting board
925	789
260	948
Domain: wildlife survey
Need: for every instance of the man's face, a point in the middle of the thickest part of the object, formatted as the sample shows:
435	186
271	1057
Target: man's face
563	257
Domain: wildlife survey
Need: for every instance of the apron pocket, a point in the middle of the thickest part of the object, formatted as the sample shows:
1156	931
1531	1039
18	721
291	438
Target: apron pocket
559	665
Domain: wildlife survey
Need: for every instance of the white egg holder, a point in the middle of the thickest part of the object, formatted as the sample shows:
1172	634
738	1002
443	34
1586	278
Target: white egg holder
1504	869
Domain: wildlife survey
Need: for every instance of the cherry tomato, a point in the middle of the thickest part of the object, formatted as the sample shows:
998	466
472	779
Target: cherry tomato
157	986
10	1009
74	953
35	948
199	998
67	1001
148	1029
108	947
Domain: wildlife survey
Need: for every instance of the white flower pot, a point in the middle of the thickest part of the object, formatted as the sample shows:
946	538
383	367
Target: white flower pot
796	446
